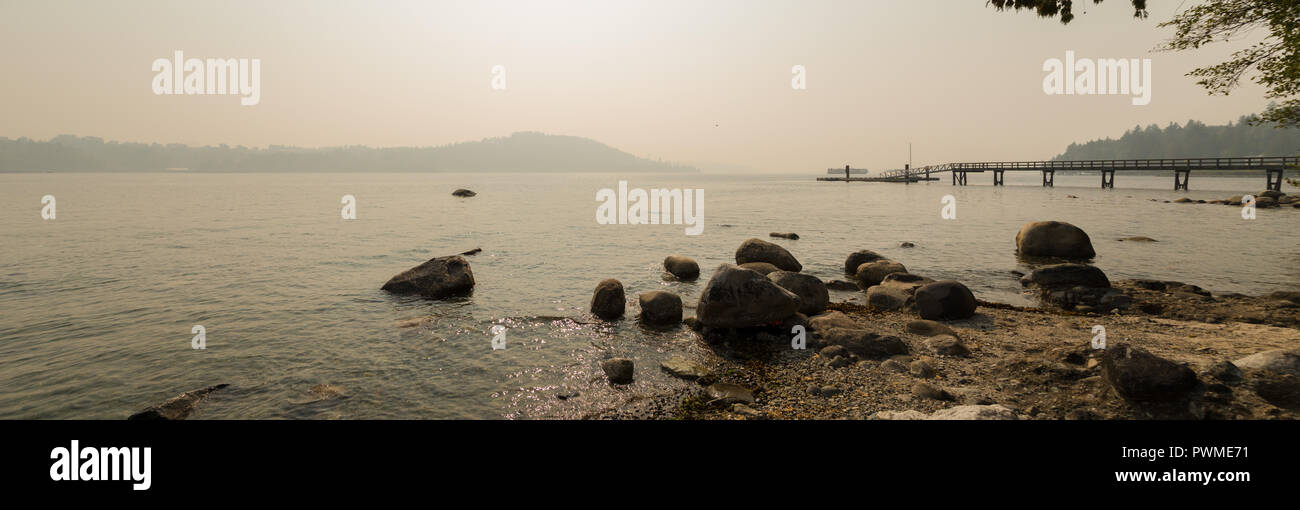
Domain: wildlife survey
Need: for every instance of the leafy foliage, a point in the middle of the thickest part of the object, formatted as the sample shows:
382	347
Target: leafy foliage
1062	8
1192	140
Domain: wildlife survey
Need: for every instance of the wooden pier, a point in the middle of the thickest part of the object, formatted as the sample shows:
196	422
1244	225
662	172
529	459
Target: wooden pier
1273	167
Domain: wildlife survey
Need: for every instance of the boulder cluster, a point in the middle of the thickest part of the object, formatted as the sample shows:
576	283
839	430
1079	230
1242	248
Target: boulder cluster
1072	284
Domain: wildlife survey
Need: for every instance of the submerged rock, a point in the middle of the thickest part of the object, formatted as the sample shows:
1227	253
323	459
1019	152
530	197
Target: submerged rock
785	235
437	278
741	298
812	293
684	268
680	367
178	407
872	273
1054	239
859	258
608	301
618	370
463	193
758	250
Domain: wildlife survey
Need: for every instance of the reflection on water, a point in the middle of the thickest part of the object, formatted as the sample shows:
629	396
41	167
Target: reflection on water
98	304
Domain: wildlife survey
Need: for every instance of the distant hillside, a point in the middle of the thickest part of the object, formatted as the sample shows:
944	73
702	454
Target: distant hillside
520	152
1193	140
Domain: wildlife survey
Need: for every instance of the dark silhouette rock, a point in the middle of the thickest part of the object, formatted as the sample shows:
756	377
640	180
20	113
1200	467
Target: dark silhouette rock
618	370
864	344
763	268
813	296
437	278
463	193
947	299
785	235
740	298
1054	239
661	308
608	301
1138	375
684	268
1067	275
859	258
758	250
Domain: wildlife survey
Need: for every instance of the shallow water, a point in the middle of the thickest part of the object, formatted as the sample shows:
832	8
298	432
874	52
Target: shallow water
96	306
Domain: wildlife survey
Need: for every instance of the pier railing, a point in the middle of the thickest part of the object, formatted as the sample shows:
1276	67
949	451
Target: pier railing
1181	167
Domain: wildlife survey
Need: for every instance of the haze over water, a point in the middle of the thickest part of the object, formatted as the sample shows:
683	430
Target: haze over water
97	305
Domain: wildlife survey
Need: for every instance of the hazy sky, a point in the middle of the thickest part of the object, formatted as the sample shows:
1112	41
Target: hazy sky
705	82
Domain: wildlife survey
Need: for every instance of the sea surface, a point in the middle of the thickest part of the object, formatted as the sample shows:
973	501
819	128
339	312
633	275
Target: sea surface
97	305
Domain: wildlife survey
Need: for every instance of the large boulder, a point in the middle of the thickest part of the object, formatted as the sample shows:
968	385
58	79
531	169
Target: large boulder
741	298
660	307
1138	375
813	296
437	278
872	273
608	301
1067	275
885	297
1054	239
758	250
1282	361
863	343
859	258
684	268
946	299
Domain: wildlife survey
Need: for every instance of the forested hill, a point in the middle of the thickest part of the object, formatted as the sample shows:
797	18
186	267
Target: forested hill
520	152
1192	140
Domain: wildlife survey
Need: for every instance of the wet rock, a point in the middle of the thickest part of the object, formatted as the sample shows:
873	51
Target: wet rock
684	268
608	301
929	328
758	250
1138	375
1138	239
906	244
812	293
693	323
762	268
946	299
1054	239
178	407
785	235
660	308
884	297
947	345
1058	276
872	273
859	258
841	285
864	344
683	368
1183	200
618	370
739	298
463	193
930	391
437	278
832	319
474	251
1281	361
727	393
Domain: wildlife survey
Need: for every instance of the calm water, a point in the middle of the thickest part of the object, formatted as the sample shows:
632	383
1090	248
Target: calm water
96	307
